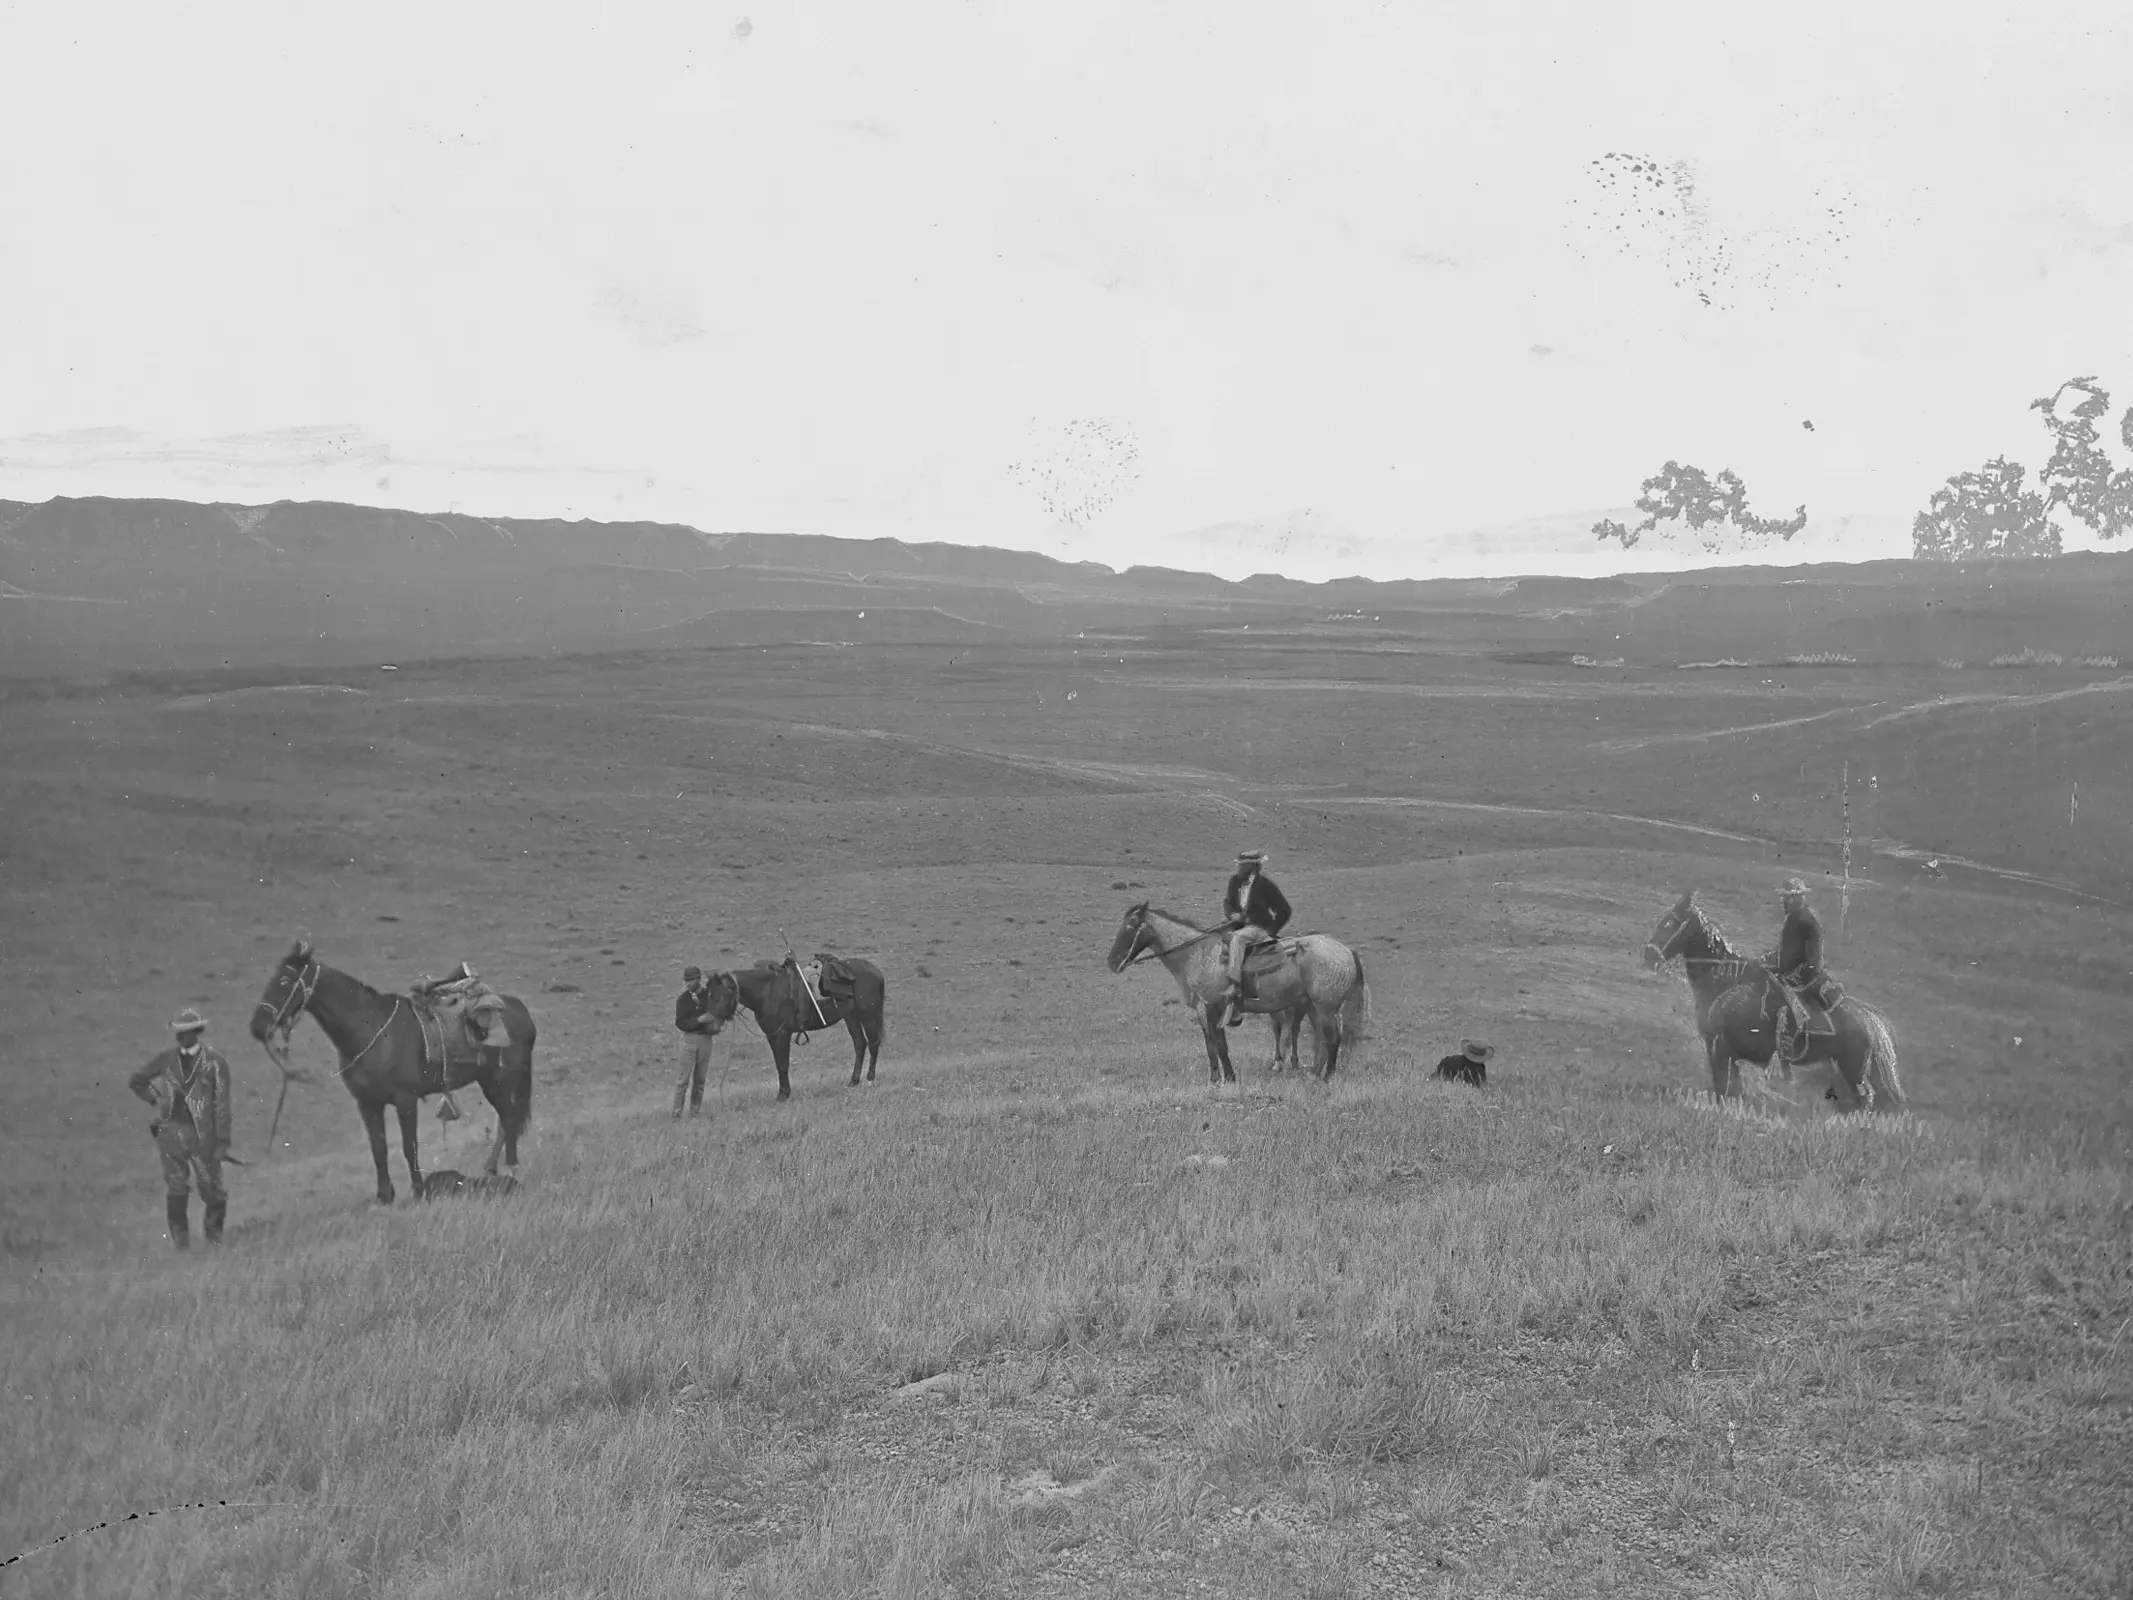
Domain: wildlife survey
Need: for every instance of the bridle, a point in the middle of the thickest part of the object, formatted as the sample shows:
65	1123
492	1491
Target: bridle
1153	951
293	1005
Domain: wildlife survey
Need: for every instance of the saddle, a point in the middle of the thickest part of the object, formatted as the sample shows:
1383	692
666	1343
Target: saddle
454	1024
828	986
1262	959
1818	1003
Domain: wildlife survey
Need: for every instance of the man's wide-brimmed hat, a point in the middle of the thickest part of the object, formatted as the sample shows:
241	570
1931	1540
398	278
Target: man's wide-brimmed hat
1474	1050
188	1021
1258	856
1791	887
691	974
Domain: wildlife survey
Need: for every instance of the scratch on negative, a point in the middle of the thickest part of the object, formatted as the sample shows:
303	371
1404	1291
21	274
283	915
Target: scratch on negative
143	1516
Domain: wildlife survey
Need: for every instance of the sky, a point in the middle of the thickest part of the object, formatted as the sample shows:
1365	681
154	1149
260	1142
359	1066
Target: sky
1349	287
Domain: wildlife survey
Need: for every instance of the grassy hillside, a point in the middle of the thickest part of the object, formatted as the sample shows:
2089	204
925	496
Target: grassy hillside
1573	1334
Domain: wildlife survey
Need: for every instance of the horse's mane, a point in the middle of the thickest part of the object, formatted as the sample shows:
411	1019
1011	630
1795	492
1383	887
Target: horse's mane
301	953
1721	949
1172	916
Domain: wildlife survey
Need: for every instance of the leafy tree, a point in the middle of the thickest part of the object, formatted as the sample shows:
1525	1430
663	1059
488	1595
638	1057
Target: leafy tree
1985	513
1689	494
2079	474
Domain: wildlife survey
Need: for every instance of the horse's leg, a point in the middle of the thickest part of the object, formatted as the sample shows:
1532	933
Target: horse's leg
410	1111
1326	1028
877	1030
781	1056
859	1043
499	1095
1720	1053
1211	1036
374	1124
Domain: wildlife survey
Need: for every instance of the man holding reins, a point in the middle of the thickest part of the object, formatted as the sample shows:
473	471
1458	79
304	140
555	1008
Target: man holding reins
189	1086
1258	911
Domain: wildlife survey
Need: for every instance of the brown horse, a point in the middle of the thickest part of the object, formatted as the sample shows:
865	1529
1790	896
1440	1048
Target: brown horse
1737	1005
384	1061
1324	982
784	1009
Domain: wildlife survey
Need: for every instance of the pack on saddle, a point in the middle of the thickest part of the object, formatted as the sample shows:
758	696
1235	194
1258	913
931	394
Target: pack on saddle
1804	995
458	1009
827	986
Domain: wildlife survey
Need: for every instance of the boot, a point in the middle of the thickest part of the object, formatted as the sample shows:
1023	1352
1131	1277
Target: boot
174	1210
211	1221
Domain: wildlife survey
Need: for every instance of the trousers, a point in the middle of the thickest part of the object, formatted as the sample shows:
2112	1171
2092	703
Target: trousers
189	1162
695	1062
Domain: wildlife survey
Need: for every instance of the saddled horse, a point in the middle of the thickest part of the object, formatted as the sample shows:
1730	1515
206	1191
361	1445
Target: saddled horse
853	993
1311	976
1738	1000
385	1060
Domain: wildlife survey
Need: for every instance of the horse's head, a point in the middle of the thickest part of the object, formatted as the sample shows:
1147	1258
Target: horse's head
283	1001
1134	936
722	996
1672	932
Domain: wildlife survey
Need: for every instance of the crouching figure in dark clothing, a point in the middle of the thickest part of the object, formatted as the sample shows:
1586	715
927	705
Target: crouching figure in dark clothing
1469	1066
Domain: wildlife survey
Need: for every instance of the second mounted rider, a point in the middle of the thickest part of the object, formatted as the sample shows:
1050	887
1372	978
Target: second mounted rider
1257	910
1797	960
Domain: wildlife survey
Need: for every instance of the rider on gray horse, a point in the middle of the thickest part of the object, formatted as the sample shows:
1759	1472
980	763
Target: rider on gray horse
1257	910
1797	960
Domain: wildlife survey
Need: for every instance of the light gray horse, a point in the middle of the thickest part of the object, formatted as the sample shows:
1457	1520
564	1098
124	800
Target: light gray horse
1312	975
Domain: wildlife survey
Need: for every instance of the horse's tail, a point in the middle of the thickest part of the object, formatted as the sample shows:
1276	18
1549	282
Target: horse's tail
525	1088
1881	1061
1355	1007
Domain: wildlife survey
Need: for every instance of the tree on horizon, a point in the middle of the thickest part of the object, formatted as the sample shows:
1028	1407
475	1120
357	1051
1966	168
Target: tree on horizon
1985	513
1690	495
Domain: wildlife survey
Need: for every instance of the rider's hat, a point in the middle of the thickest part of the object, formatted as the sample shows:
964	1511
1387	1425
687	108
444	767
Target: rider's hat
1791	887
1473	1050
188	1021
1255	857
691	974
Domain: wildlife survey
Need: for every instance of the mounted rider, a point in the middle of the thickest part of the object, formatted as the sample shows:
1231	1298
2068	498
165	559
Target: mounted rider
1257	910
463	989
1797	960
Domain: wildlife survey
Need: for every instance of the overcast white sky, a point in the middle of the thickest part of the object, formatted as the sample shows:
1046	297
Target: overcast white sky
1079	278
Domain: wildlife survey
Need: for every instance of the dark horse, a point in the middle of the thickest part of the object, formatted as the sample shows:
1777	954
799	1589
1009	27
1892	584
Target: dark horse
379	1038
1737	1003
853	994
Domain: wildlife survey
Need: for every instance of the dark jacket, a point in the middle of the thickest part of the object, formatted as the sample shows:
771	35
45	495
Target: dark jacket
204	1094
1799	951
1462	1068
1254	899
689	1008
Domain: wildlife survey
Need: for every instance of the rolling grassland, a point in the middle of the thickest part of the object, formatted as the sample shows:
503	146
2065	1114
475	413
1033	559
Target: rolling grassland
1039	1314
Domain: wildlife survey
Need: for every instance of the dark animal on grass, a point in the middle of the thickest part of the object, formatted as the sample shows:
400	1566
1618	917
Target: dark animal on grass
786	1009
386	1059
1738	1002
1310	977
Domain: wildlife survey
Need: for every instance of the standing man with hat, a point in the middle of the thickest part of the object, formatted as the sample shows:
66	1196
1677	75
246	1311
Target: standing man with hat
697	1031
1257	910
189	1086
1797	961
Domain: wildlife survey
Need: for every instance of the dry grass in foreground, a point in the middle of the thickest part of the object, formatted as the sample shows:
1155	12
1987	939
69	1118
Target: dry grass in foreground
1389	1339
